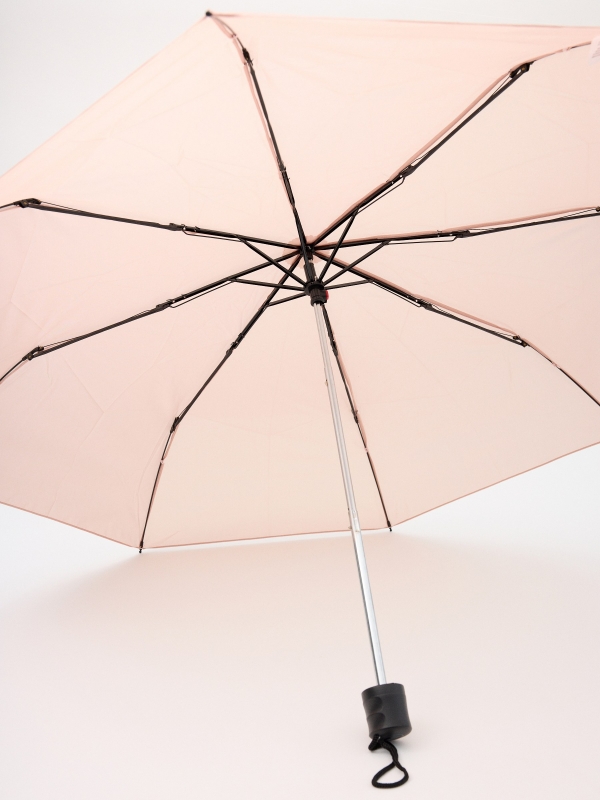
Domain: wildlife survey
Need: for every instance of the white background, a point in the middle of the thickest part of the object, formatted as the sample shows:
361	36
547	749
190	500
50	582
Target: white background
236	671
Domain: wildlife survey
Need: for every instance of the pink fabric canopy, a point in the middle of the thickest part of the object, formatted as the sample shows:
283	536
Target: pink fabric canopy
464	158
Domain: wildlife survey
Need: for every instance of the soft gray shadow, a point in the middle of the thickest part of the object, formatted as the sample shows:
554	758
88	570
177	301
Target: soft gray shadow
146	679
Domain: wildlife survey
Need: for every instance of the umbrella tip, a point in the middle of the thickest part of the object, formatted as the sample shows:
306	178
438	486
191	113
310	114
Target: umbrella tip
208	13
140	550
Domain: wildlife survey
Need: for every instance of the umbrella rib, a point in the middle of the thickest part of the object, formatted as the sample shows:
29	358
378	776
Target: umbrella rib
271	134
467	233
274	262
564	372
398	179
436	309
337	246
354	410
348	267
286	300
272	285
567	375
41	205
425	304
175	302
344	285
179	418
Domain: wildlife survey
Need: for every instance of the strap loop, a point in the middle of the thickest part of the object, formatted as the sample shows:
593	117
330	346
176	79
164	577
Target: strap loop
376	743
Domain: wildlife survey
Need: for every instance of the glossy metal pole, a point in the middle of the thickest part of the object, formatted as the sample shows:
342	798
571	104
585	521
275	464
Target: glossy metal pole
352	512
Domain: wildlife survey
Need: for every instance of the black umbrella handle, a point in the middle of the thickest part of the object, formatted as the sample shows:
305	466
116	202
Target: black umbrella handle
387	718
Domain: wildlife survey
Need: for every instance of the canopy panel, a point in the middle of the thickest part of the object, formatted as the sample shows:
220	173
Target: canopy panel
64	276
177	141
534	150
542	283
352	101
256	456
445	408
83	428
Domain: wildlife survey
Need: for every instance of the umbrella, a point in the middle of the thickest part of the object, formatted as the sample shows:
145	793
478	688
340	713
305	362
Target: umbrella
427	192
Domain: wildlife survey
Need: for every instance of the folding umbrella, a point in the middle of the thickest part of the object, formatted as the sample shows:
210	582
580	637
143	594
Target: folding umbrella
429	190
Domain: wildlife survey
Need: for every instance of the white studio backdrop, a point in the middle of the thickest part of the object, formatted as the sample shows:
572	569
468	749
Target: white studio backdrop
236	670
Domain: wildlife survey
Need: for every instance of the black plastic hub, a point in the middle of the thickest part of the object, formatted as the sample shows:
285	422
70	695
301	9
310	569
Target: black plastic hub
317	292
387	714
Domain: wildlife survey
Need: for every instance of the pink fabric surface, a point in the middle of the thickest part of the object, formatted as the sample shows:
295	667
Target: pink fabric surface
257	457
534	150
542	283
352	101
446	409
63	276
178	141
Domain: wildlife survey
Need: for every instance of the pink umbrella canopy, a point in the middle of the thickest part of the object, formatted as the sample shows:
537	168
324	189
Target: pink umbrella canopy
448	173
431	189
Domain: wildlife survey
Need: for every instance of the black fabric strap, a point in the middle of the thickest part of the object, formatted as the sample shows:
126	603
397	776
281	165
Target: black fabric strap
376	743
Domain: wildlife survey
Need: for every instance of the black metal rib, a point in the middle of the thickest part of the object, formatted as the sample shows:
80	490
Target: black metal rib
281	166
178	419
154	485
175	302
417	238
344	285
419	302
14	366
272	285
275	262
461	233
564	372
349	267
337	247
400	176
41	205
296	296
354	411
570	377
286	300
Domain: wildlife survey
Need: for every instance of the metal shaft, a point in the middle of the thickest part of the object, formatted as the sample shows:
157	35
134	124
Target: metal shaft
352	512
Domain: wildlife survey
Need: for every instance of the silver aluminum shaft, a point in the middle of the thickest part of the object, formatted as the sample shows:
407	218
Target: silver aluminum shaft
352	512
